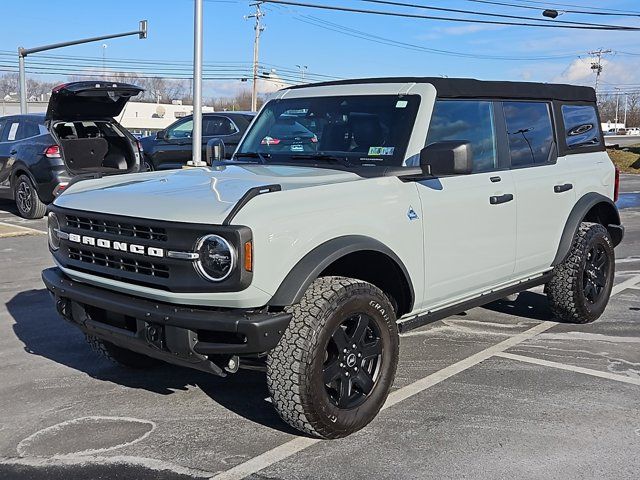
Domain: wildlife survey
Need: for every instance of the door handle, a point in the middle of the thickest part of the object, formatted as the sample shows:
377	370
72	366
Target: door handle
562	188
495	179
496	199
13	152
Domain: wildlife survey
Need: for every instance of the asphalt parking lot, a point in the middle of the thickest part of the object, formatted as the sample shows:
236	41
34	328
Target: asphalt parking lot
500	391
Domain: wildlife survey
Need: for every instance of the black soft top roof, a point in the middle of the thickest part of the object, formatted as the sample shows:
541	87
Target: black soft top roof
471	88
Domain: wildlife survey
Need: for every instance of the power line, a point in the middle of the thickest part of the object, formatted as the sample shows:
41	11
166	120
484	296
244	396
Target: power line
602	12
548	5
344	30
485	14
450	19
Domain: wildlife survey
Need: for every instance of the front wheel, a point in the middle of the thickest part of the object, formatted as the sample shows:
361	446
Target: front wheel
332	370
580	287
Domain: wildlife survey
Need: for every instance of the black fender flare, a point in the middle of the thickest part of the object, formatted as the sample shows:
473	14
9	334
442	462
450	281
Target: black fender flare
608	214
20	166
313	263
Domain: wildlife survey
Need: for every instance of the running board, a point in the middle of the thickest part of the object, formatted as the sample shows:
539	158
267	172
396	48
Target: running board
483	299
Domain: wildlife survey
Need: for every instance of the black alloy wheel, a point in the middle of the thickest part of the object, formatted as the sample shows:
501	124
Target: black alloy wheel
352	361
595	274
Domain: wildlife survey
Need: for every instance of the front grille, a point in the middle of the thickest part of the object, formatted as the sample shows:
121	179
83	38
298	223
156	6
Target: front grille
117	228
119	262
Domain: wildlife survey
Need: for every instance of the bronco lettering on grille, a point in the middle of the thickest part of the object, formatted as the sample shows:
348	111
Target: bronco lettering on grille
118	246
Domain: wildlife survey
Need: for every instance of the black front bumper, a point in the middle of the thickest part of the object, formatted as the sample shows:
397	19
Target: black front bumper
192	337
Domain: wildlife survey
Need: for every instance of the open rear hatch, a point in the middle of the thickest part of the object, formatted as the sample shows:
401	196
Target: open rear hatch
81	115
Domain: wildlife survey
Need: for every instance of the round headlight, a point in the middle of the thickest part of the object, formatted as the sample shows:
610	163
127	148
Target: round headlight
217	258
53	227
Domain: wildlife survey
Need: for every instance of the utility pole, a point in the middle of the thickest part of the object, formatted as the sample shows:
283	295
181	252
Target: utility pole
258	28
617	105
596	66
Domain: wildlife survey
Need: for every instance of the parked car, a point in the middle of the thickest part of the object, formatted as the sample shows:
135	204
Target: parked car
172	148
78	136
424	197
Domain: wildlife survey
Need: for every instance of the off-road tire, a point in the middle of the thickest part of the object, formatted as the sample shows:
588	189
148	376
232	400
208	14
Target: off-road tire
121	356
566	292
295	366
32	209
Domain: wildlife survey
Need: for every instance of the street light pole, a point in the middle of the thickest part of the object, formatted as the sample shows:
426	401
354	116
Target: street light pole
258	28
23	52
196	134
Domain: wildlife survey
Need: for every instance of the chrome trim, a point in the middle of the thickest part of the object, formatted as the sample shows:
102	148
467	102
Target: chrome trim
61	234
183	255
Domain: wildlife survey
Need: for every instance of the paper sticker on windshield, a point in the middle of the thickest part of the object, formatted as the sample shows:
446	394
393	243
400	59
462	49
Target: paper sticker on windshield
381	150
401	103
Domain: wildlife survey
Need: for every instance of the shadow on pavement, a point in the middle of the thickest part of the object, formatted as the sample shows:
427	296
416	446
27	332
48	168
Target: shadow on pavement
44	333
8	206
528	305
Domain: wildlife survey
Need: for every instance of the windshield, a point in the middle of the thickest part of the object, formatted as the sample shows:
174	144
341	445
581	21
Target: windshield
363	130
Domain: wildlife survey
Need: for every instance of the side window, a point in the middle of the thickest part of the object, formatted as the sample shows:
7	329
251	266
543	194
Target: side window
581	125
180	130
212	126
3	123
11	132
470	121
530	132
28	129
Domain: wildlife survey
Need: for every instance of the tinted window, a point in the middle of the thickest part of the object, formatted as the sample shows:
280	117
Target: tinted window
530	132
3	123
467	121
212	126
29	129
581	125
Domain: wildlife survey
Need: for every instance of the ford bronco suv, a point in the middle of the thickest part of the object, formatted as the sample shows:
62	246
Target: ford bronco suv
351	211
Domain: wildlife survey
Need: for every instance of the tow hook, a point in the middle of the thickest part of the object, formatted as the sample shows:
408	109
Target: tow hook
63	306
154	335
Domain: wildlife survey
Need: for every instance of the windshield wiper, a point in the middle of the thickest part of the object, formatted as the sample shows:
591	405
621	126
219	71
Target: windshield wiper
323	156
261	157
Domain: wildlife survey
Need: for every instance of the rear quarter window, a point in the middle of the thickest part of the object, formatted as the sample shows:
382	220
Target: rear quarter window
581	126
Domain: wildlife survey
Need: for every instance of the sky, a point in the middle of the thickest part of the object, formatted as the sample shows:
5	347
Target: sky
292	37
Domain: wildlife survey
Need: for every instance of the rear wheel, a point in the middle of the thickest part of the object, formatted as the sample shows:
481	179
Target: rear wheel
120	355
27	201
146	166
580	287
332	370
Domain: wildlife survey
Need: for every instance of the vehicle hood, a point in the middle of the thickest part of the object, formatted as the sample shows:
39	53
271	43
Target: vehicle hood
194	195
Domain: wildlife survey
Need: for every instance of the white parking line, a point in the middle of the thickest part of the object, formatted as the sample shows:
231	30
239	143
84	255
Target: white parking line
298	444
570	368
631	282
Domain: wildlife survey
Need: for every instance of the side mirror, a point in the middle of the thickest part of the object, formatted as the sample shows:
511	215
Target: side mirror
160	134
447	158
215	151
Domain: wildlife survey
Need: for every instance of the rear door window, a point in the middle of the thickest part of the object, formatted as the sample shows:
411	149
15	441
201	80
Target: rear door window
581	126
212	126
467	121
530	132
